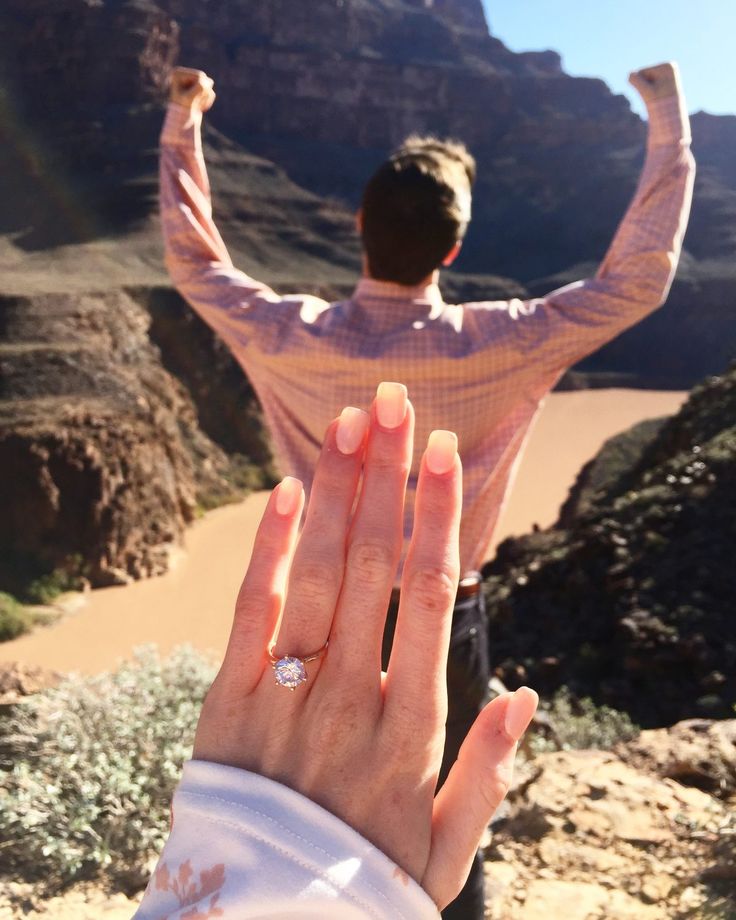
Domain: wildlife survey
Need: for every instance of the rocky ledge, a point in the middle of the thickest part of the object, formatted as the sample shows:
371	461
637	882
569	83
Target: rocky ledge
629	598
584	835
104	461
611	836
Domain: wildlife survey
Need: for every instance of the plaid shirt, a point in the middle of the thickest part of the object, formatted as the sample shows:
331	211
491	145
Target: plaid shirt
480	369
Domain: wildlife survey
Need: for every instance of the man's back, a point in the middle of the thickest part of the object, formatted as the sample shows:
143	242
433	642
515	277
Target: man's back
464	366
478	369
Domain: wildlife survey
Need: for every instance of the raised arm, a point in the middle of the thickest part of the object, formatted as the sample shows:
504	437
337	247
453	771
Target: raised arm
195	253
637	271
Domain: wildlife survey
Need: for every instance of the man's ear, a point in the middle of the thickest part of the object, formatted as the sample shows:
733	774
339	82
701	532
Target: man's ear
359	221
452	254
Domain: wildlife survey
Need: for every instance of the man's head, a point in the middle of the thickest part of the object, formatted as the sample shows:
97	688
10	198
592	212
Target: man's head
416	209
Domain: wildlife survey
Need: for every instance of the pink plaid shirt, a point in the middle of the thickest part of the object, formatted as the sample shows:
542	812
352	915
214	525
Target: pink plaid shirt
480	369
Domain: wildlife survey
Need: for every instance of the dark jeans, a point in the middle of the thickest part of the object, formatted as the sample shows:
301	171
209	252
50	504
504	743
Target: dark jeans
468	672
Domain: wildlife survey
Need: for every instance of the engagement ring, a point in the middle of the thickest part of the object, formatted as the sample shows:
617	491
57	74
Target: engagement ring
289	670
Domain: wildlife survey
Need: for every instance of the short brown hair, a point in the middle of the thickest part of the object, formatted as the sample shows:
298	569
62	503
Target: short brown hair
415	207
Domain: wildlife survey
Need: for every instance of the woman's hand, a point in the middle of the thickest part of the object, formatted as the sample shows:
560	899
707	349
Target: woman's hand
192	89
366	746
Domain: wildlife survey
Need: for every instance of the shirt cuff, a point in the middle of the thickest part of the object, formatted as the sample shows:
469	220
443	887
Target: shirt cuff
669	122
182	127
281	847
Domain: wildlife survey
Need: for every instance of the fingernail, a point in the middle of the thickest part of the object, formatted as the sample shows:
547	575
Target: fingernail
441	451
288	495
391	404
351	429
520	711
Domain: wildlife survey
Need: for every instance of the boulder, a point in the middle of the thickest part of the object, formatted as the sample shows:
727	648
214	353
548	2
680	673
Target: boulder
18	680
697	752
615	839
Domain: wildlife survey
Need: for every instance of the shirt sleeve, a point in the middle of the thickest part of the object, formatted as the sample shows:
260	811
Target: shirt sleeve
637	271
195	254
243	847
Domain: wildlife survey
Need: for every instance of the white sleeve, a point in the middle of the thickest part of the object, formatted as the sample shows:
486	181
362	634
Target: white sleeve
243	847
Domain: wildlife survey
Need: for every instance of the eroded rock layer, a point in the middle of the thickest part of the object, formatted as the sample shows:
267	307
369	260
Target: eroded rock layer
630	599
103	459
104	452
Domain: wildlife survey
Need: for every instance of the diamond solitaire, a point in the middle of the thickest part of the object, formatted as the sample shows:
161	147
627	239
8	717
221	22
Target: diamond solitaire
289	672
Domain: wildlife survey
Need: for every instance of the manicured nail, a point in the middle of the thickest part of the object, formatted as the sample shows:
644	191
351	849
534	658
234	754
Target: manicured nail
441	451
391	404
351	429
520	711
288	495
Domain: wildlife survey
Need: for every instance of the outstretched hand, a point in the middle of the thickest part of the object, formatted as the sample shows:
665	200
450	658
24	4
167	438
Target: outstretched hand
192	89
365	745
656	82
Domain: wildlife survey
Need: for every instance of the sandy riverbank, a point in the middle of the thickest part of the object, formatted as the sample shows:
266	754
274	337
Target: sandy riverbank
193	602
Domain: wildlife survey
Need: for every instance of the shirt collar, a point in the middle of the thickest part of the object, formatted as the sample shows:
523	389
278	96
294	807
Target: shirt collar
387	304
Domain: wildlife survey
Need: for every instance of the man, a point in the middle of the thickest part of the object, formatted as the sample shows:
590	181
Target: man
479	369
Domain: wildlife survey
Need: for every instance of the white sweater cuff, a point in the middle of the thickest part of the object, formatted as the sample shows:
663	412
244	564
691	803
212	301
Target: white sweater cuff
254	849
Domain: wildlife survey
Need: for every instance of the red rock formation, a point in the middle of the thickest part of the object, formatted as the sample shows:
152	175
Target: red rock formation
318	91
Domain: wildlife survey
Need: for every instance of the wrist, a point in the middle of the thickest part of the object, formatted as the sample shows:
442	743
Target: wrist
182	124
193	110
669	121
664	92
259	827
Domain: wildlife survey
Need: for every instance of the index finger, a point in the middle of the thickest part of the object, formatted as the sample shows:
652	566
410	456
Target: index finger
416	681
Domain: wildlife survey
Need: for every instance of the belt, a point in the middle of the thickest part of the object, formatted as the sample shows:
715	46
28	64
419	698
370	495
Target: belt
469	586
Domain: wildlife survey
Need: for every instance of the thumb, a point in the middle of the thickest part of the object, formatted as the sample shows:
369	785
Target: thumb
475	787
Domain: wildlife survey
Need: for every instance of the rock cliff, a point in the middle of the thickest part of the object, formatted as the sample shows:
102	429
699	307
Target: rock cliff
103	459
629	598
310	98
322	90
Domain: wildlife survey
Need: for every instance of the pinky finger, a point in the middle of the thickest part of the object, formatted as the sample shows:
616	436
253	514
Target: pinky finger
260	599
475	787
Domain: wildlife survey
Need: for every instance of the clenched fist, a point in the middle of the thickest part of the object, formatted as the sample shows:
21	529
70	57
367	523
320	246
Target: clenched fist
656	82
192	89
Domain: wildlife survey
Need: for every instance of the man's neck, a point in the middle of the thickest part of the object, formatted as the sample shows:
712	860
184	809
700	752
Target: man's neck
432	278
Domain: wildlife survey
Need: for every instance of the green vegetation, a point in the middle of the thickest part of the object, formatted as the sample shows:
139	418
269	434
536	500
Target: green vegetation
577	724
14	619
90	770
31	579
46	588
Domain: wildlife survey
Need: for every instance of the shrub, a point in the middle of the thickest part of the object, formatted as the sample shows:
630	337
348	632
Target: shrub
46	588
577	724
98	761
14	619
